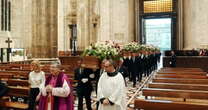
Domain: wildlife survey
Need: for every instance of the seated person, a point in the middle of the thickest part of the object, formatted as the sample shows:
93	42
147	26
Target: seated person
3	89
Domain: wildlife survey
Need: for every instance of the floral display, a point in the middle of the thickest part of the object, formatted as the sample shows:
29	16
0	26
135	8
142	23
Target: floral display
113	50
103	50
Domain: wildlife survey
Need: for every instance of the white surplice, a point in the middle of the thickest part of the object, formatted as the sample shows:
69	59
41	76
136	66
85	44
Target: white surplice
113	88
56	91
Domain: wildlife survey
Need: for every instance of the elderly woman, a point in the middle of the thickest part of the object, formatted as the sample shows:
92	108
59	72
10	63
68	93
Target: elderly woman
36	77
56	92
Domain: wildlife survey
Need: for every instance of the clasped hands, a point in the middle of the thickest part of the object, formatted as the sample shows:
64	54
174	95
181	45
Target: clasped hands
106	102
49	88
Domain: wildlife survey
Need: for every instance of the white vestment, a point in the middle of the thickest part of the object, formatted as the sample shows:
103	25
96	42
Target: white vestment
113	88
63	91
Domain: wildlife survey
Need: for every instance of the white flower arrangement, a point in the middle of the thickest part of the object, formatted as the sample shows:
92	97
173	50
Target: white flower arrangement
112	50
102	50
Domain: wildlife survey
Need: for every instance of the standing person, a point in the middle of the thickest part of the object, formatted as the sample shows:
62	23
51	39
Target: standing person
134	67
111	89
3	89
173	59
56	91
126	64
121	69
36	77
84	87
99	72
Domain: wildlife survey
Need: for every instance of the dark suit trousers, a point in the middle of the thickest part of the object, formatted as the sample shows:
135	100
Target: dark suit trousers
87	96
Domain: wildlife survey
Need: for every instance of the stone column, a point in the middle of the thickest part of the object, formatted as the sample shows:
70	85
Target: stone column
137	22
83	24
116	20
195	23
180	30
44	35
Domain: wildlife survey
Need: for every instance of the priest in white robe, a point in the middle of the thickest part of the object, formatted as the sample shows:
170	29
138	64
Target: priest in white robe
111	89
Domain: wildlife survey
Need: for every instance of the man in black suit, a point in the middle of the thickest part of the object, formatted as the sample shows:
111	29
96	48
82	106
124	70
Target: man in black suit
148	63
126	64
122	69
99	72
84	76
173	59
3	89
134	63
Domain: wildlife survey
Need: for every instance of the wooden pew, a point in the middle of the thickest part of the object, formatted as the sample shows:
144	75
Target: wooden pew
17	74
185	73
18	82
180	68
4	67
16	92
185	94
184	83
167	105
186	76
178	86
6	76
180	81
196	71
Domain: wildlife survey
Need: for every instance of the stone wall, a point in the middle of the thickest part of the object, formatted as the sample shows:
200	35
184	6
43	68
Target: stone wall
116	20
195	23
20	25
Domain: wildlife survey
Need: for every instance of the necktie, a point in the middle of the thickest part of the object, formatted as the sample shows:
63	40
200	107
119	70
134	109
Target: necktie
101	71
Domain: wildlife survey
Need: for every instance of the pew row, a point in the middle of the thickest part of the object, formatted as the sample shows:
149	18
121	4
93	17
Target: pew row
183	73
178	86
181	81
186	76
15	92
185	94
167	105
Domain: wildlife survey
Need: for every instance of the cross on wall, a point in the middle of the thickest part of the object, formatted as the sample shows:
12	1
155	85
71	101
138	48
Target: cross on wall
8	41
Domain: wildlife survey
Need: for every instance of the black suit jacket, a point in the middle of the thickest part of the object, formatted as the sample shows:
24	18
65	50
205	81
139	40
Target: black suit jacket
83	87
173	61
134	65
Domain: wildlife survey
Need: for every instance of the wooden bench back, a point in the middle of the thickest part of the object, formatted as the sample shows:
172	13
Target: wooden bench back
181	81
167	105
18	82
18	91
185	94
184	73
6	76
181	69
178	86
181	76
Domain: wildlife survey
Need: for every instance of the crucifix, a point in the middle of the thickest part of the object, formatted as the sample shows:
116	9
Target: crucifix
8	41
